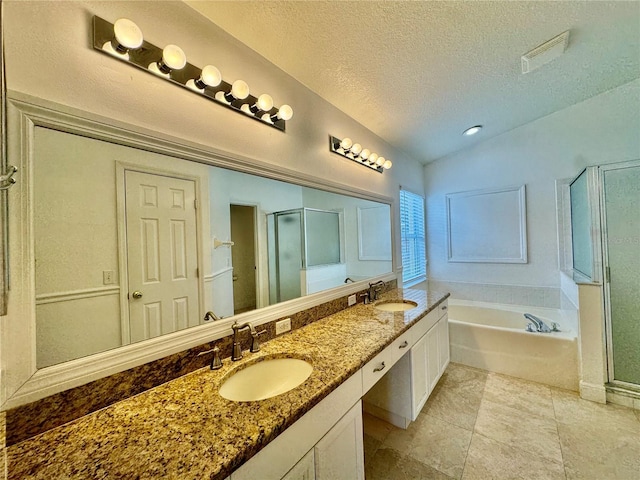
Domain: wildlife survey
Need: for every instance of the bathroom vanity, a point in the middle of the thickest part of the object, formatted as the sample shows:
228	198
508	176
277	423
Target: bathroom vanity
185	428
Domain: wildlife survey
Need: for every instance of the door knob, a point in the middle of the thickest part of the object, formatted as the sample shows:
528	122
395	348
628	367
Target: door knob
137	294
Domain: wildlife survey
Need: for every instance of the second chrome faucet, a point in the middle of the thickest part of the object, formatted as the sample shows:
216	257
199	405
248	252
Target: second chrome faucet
255	343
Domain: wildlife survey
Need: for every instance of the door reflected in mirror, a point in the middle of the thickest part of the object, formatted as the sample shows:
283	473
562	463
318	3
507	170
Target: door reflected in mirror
132	244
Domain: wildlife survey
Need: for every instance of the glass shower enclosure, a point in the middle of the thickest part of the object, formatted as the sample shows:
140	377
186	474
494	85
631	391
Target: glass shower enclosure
605	221
297	240
621	247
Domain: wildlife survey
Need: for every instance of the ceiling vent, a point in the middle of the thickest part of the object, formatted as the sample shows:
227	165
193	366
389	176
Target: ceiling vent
545	53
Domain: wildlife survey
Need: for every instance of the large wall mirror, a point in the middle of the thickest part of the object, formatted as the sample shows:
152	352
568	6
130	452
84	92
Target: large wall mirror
132	244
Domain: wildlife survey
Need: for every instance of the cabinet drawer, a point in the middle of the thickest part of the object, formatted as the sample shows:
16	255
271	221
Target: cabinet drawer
377	367
401	345
425	324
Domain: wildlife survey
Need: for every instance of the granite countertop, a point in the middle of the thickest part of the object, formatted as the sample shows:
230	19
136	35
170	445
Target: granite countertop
185	429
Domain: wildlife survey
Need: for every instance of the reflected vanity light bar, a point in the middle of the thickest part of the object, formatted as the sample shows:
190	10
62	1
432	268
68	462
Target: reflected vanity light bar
124	40
362	156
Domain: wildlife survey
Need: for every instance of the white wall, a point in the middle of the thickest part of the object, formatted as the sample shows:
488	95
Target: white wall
600	130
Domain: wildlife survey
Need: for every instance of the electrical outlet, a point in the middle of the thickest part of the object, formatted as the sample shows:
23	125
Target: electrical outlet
283	326
108	277
352	299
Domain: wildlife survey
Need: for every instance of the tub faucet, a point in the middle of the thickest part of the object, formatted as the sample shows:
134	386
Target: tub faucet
539	324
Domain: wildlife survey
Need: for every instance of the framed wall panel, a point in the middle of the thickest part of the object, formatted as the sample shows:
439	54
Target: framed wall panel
373	237
487	226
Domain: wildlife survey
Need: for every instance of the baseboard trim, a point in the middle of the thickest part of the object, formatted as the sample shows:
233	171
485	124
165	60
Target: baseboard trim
593	392
389	417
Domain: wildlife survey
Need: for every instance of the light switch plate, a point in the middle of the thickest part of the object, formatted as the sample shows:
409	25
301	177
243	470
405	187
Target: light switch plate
352	299
107	277
283	326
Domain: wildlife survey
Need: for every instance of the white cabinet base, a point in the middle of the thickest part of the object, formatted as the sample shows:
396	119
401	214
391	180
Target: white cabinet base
340	453
305	469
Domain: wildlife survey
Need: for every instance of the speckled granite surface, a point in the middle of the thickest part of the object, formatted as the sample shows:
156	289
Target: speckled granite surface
37	417
185	429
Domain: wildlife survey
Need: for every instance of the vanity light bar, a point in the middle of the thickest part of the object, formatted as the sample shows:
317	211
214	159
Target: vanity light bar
362	156
124	41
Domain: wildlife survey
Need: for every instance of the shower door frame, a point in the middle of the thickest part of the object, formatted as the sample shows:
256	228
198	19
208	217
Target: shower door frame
612	382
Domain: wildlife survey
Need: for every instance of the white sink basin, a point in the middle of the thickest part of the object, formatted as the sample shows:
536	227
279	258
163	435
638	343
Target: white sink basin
265	379
396	306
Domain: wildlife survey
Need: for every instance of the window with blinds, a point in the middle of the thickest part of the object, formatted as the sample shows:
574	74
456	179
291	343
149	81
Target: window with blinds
414	261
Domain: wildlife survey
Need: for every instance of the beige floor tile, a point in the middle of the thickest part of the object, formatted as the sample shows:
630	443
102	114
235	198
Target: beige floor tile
526	396
489	460
570	409
389	464
375	427
533	433
457	397
371	446
598	451
434	442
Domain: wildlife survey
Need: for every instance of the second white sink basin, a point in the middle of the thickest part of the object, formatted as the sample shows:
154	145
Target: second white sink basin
399	306
265	379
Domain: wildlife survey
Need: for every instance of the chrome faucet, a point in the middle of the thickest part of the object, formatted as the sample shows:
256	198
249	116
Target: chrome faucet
540	326
211	316
374	289
255	344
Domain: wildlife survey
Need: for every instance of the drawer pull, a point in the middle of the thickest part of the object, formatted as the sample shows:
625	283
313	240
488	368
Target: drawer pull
444	307
380	368
404	344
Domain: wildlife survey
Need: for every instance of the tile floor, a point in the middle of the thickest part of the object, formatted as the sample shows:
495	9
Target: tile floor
481	425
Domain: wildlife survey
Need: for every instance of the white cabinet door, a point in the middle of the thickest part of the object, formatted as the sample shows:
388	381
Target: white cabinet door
433	357
340	453
303	470
443	342
419	376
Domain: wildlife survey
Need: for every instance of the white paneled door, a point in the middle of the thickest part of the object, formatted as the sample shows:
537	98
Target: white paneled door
162	254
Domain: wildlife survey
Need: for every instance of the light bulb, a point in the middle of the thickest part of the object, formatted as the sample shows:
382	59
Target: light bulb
264	103
364	154
380	161
127	36
209	77
373	158
356	149
346	144
240	89
173	58
387	164
285	112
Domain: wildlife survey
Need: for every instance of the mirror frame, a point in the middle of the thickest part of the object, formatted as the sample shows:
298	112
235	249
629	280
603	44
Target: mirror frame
23	382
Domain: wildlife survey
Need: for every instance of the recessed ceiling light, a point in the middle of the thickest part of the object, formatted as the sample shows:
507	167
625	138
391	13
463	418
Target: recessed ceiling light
472	130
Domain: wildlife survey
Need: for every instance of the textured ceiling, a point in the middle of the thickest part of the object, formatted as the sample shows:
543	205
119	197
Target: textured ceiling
417	73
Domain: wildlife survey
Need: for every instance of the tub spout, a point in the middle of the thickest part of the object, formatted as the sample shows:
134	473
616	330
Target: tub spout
539	324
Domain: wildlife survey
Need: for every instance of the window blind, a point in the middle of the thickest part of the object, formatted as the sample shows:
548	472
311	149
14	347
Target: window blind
414	261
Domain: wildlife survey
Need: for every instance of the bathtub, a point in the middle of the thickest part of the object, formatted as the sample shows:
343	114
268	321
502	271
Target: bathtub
493	337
